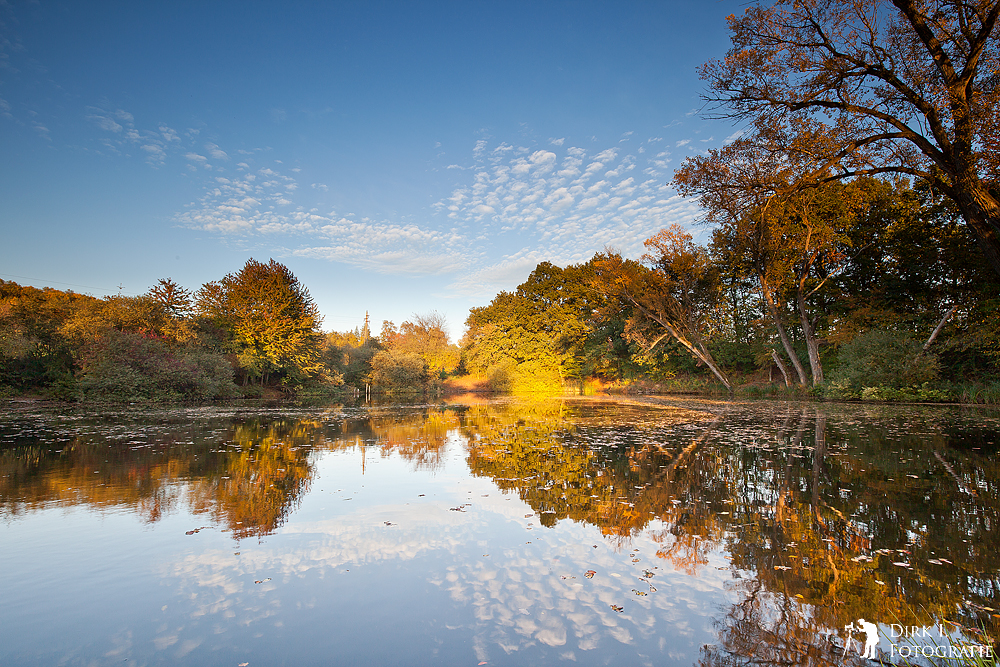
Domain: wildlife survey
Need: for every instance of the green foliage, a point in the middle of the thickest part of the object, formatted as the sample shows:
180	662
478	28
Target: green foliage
883	359
395	372
350	356
128	366
271	321
916	393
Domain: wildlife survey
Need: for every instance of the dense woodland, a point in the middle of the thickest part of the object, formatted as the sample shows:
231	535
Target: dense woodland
852	250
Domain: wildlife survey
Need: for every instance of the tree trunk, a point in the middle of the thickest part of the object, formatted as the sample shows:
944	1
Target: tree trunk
812	345
704	357
982	214
782	334
781	366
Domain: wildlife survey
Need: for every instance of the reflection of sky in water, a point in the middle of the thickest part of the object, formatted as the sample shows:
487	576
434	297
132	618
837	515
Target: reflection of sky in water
478	576
398	554
433	586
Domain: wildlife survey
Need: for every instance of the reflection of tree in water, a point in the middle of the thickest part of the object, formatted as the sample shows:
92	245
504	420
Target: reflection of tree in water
815	519
812	508
418	437
263	474
247	472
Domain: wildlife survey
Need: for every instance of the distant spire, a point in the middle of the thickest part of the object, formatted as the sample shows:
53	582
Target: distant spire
365	331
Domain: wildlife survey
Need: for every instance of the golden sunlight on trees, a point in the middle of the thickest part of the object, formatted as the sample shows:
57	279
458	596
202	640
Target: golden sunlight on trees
271	322
874	87
675	299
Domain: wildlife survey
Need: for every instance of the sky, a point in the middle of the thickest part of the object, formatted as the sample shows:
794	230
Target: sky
399	157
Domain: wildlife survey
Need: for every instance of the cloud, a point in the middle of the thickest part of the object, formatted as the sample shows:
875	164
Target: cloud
557	207
216	152
105	123
169	134
509	208
558	142
262	205
682	142
732	137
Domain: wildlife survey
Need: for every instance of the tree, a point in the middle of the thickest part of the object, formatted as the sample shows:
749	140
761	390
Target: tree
791	240
272	321
674	299
427	336
906	87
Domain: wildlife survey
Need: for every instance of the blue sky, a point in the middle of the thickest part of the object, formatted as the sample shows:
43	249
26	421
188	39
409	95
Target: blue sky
398	157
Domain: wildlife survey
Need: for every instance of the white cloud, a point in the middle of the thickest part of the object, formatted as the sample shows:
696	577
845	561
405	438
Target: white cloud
557	142
732	137
105	123
216	152
194	157
682	142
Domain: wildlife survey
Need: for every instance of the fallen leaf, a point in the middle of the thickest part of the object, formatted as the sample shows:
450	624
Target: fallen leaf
617	608
640	593
589	574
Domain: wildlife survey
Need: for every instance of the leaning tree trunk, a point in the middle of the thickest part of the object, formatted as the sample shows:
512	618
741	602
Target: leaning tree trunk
786	342
812	344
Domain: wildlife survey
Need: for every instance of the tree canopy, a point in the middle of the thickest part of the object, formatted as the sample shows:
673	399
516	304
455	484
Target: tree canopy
872	87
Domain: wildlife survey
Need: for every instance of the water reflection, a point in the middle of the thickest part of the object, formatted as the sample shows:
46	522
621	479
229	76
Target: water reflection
820	515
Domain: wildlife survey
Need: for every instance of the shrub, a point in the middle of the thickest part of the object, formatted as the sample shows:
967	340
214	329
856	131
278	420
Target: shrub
500	376
398	371
130	366
881	359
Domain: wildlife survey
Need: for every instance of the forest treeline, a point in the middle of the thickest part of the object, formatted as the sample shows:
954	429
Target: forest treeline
253	332
881	293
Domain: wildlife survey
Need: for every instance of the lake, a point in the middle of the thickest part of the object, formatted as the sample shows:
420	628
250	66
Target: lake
587	531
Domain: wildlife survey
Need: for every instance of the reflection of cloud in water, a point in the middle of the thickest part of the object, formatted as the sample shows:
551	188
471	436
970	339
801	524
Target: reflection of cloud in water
479	558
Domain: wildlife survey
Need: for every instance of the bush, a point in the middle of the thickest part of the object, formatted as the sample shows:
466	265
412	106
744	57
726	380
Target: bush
922	394
398	371
130	366
500	376
881	359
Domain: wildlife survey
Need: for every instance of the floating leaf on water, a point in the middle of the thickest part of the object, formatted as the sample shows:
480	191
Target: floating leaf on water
880	583
244	664
652	589
640	593
566	576
589	574
647	574
617	608
902	564
636	560
934	561
782	567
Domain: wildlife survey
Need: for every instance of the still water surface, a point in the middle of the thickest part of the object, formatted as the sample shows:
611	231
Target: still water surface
585	531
